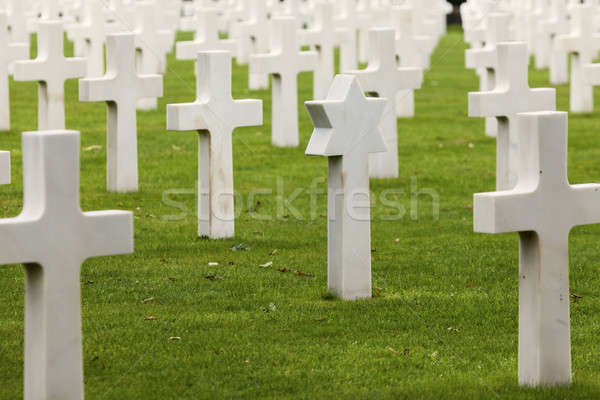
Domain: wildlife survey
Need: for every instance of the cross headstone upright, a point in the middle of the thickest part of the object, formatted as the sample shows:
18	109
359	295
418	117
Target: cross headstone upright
52	237
253	38
153	45
485	59
511	96
386	79
557	24
17	21
347	20
347	131
583	43
50	10
9	53
4	167
542	208
284	62
50	69
214	115
324	37
412	51
91	31
121	87
120	16
366	20
206	37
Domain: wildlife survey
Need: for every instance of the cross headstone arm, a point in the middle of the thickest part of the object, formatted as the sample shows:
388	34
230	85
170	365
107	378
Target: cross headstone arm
29	70
586	198
248	112
481	58
190	50
367	78
78	66
109	232
95	89
475	35
187	50
486	104
263	63
308	37
591	74
307	61
150	85
18	51
16	234
410	78
184	117
567	43
542	99
502	212
343	35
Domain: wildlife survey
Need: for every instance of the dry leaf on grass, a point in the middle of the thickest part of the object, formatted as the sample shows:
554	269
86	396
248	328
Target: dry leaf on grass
295	272
94	147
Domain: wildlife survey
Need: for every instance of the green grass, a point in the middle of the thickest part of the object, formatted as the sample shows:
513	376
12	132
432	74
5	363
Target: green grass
442	324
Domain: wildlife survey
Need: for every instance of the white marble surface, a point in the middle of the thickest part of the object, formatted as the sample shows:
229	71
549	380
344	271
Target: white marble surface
347	131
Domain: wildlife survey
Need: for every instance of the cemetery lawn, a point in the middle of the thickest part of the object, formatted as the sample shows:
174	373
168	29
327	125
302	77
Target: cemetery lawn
163	323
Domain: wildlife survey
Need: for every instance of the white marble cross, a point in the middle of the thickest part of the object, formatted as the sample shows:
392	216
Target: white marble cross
206	37
366	20
252	38
17	21
412	51
120	16
284	62
153	44
121	88
485	59
52	237
591	74
91	33
347	19
9	53
50	10
50	69
347	131
324	37
384	78
4	167
542	208
214	115
557	24
511	96
583	43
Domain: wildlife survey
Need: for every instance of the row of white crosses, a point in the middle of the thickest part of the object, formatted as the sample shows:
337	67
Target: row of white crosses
583	43
510	96
554	29
120	87
51	213
533	198
484	59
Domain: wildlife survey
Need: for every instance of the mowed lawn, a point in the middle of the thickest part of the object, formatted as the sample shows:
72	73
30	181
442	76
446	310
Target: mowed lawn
443	320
